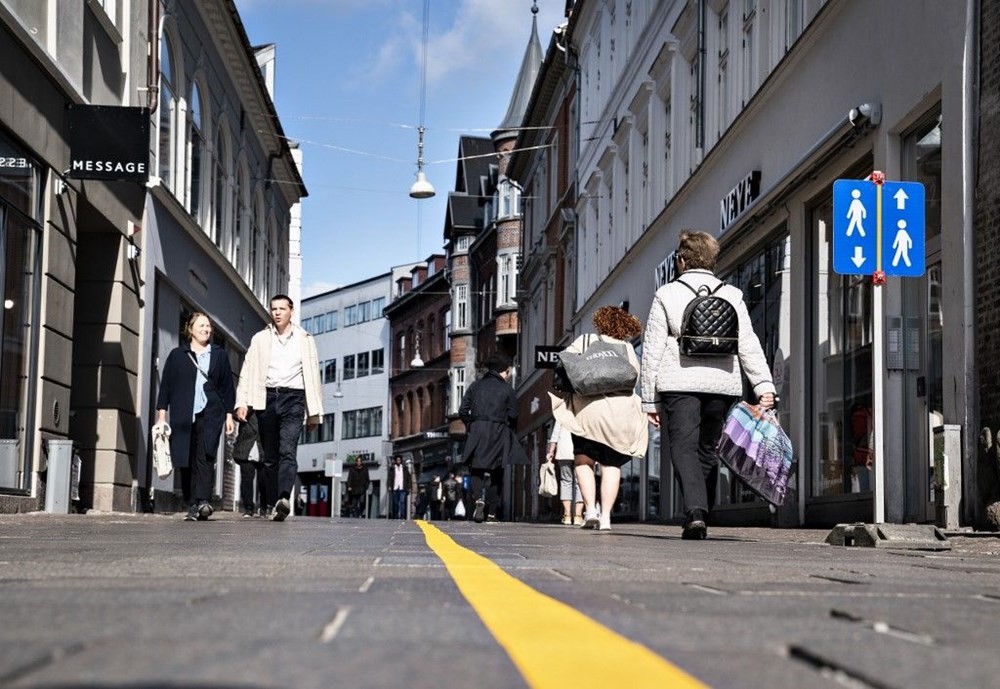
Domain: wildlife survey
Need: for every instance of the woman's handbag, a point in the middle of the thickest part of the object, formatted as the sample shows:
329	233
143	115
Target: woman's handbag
161	450
602	369
758	451
548	487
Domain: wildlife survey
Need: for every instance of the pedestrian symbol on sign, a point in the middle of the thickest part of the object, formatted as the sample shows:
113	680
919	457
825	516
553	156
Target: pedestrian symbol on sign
856	213
902	244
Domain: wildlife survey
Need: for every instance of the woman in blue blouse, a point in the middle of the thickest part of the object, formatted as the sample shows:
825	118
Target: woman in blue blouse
197	388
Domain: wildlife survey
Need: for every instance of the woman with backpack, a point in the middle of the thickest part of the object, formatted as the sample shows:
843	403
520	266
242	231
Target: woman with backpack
698	338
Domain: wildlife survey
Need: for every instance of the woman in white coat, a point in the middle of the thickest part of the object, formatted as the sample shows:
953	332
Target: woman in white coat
606	429
691	395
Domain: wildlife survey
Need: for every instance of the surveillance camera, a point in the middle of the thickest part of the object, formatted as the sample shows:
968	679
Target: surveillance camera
866	113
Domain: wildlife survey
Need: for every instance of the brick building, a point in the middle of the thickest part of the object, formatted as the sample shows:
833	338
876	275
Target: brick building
419	390
987	245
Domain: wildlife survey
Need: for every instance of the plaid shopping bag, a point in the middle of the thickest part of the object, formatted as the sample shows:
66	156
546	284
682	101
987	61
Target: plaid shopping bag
755	447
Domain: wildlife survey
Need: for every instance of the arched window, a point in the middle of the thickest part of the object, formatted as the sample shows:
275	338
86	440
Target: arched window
271	266
253	242
231	241
196	155
243	221
221	200
167	129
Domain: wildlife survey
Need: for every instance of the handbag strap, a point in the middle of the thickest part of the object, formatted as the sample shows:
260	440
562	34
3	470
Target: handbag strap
200	369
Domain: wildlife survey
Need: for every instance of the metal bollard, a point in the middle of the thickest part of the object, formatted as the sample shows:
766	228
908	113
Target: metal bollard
58	476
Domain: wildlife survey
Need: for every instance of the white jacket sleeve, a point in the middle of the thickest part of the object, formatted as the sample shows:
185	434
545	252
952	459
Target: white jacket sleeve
654	343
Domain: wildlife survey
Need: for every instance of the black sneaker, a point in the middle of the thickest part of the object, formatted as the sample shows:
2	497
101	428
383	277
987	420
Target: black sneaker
204	512
281	510
249	513
477	513
192	513
266	512
695	528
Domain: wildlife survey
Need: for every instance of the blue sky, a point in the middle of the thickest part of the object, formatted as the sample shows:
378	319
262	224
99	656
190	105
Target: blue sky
347	87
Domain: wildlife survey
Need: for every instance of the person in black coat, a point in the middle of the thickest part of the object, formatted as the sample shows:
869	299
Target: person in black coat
489	411
358	480
197	389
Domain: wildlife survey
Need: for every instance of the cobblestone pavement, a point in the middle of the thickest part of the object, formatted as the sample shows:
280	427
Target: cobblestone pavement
113	600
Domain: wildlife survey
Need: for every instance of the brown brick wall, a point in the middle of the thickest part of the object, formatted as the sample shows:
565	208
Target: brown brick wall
987	220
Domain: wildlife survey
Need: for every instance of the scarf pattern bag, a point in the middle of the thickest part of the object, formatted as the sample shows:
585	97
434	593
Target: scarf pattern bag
758	451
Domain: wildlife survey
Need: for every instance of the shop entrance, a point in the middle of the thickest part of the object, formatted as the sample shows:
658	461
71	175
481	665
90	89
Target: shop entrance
919	329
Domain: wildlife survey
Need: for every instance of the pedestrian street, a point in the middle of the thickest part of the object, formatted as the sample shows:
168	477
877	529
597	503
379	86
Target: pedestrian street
113	600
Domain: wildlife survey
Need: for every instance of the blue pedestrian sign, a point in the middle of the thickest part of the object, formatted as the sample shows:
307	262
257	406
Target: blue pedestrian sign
878	228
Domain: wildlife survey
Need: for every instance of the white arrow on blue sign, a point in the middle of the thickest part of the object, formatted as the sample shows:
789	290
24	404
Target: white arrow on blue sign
856	228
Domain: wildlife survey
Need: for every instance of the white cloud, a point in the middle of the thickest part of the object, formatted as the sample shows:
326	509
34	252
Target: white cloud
478	33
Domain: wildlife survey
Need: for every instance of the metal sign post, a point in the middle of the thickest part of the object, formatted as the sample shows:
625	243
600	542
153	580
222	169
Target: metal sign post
857	250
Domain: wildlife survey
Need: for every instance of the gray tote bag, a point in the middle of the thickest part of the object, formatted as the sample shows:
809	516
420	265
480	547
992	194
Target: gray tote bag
602	369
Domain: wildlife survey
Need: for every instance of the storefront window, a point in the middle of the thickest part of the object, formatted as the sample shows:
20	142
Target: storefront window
21	235
763	279
842	453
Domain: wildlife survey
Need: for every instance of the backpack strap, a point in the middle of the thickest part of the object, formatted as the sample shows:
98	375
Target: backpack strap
688	286
698	292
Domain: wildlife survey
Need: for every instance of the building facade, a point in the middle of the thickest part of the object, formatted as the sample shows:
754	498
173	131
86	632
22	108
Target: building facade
420	390
113	266
736	118
353	342
543	165
987	248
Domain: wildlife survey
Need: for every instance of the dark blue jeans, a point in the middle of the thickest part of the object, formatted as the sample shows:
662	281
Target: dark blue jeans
399	504
280	425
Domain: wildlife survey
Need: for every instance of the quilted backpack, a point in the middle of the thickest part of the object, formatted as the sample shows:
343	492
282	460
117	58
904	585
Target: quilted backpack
710	326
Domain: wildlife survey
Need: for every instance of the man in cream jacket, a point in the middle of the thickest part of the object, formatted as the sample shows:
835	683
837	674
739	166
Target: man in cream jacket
280	382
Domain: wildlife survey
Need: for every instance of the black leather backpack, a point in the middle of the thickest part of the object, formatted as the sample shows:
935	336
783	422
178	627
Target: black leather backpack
710	326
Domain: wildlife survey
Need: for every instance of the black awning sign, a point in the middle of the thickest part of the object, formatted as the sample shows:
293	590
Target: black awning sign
109	142
546	356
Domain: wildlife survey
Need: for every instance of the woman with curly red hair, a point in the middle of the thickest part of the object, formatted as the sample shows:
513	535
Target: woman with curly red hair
608	429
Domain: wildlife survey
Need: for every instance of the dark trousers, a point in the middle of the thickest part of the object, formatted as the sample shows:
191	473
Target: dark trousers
486	484
693	424
198	477
249	471
280	425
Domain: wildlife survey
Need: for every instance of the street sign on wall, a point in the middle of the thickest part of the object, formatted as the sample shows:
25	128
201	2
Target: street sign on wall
878	227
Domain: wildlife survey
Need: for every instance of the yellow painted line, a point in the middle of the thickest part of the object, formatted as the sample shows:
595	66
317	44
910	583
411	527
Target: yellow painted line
553	645
878	227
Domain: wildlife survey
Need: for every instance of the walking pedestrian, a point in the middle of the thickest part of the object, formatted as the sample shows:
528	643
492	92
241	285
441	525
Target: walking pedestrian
691	395
560	451
489	411
399	482
247	455
435	495
358	481
196	388
608	429
280	381
453	494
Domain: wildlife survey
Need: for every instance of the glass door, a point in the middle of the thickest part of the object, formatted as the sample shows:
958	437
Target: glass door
921	326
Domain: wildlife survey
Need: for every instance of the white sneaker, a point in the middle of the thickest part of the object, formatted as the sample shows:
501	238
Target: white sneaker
591	519
281	510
